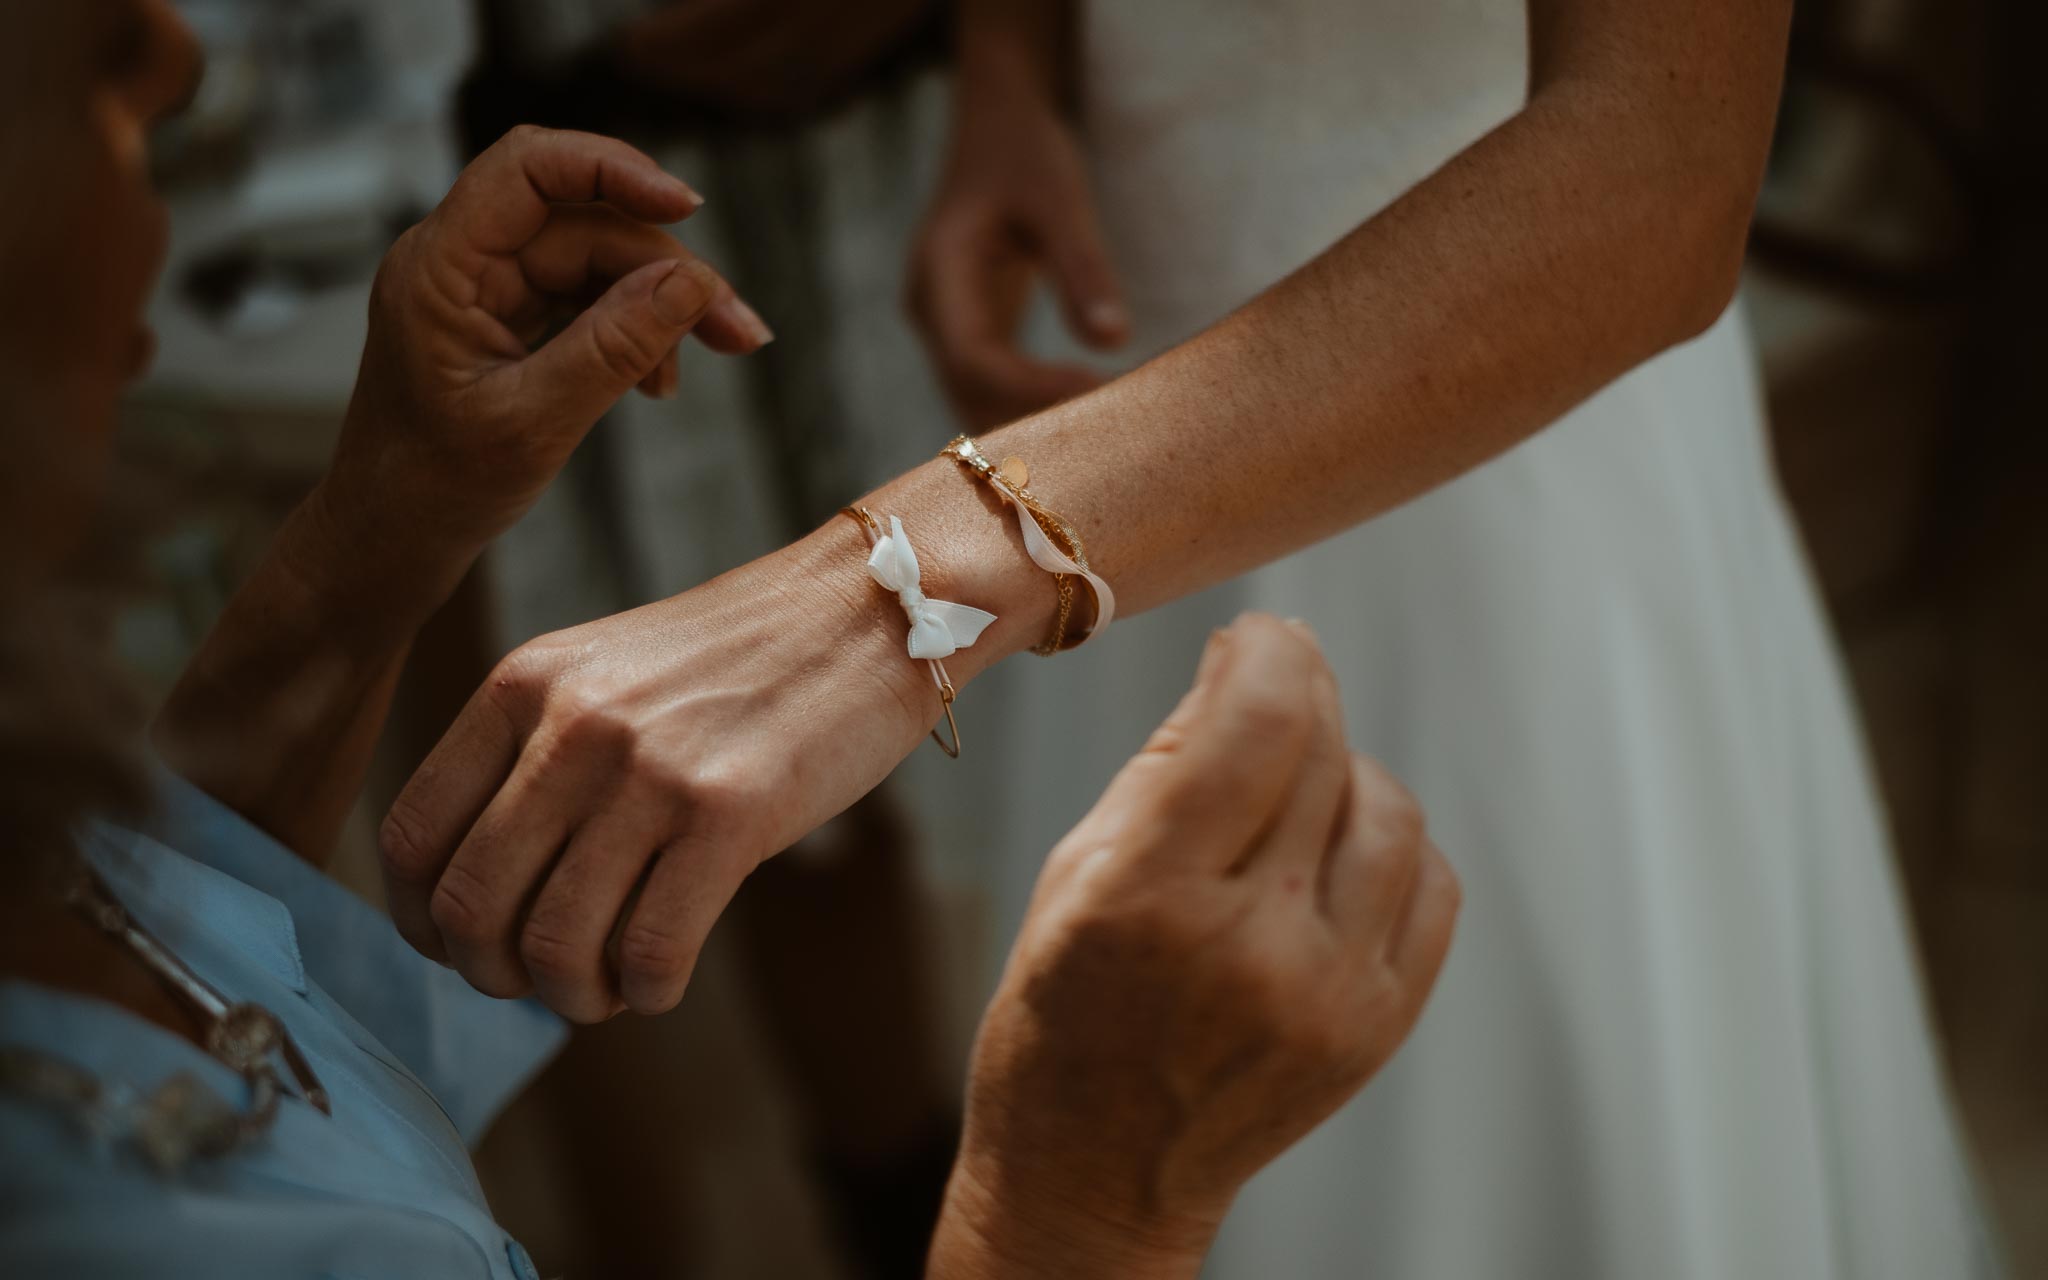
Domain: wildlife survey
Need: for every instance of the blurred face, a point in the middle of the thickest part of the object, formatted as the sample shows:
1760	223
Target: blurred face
82	236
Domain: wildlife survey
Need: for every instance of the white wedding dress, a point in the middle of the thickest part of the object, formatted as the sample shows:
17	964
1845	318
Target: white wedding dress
1681	1033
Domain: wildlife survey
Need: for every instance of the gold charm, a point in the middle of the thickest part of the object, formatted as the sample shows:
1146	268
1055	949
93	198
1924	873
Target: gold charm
1014	472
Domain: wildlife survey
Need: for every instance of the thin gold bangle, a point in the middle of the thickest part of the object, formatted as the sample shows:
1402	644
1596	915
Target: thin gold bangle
939	677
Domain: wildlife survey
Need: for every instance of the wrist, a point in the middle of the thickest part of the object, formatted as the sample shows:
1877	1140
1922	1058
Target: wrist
371	582
971	552
996	1224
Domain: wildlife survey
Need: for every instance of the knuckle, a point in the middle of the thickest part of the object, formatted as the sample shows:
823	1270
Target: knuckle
1395	815
525	135
720	806
549	953
1143	924
1268	717
461	907
514	682
588	721
1268	994
653	955
623	353
403	847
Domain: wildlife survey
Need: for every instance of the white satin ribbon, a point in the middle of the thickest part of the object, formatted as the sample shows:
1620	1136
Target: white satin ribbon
1051	559
938	628
1039	547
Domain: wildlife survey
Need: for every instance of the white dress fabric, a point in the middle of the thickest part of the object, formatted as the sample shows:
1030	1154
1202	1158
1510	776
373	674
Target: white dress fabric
1682	1032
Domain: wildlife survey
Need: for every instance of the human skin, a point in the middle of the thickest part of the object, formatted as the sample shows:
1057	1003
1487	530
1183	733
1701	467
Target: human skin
674	747
455	427
460	418
1326	856
1237	936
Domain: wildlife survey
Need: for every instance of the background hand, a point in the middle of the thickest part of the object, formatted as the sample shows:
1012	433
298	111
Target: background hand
465	407
1224	950
1014	206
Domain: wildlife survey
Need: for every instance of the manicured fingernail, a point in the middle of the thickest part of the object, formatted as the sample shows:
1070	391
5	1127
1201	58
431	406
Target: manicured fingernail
749	320
681	296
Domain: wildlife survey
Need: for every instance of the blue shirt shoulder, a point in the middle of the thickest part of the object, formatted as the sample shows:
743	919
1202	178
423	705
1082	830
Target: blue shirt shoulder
415	1064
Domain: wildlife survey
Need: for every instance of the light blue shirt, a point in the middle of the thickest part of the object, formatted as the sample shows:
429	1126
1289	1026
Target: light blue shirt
415	1064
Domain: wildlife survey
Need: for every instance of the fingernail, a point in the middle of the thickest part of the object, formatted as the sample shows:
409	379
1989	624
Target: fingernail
1301	628
1108	317
681	296
686	191
749	320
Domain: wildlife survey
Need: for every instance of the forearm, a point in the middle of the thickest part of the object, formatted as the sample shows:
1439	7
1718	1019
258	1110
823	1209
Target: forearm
988	1231
1012	53
277	714
1587	233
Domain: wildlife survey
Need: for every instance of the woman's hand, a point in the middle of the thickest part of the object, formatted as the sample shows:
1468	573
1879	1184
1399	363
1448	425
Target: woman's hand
660	754
1014	205
1236	938
465	407
461	416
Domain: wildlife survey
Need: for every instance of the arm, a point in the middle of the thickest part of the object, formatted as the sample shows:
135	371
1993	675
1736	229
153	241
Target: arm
460	417
1013	205
692	738
1600	225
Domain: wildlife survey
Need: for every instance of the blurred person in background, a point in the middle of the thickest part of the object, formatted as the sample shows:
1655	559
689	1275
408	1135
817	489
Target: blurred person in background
212	1060
1692	1036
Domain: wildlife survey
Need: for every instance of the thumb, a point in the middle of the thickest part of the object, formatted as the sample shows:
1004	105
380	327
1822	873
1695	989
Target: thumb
618	340
1078	261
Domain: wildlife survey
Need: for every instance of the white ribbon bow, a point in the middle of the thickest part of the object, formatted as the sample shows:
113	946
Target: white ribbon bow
937	627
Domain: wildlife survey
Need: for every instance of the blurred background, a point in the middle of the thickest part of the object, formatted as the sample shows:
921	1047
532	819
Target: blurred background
1896	276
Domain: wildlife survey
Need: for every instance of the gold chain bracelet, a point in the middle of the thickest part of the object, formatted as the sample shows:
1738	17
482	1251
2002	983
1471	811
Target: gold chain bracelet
1015	476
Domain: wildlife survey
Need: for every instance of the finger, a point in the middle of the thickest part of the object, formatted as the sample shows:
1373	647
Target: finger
1218	772
692	883
501	865
1422	938
967	300
665	381
562	944
436	809
585	245
1300	839
505	196
609	348
1083	278
1371	868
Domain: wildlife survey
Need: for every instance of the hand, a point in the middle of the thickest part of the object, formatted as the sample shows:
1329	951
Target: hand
667	751
1236	938
462	414
1014	204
